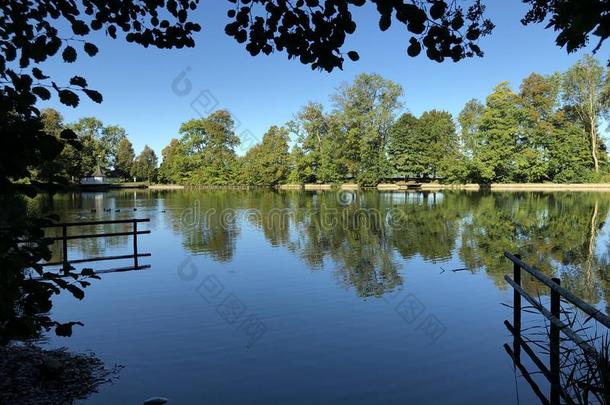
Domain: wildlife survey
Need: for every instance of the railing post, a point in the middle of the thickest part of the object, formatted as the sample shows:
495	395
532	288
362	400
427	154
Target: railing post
135	243
554	345
64	241
517	310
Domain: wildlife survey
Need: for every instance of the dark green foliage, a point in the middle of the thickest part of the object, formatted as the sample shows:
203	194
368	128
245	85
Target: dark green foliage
25	303
110	139
365	111
145	165
318	153
536	135
315	31
125	158
173	167
267	163
424	147
496	146
574	21
207	150
542	134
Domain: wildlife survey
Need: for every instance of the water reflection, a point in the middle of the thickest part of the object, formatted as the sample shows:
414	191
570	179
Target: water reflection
365	236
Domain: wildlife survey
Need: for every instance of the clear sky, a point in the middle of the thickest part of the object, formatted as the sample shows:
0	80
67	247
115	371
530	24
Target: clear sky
137	83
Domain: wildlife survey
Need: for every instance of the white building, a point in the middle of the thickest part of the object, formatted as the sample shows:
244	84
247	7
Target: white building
96	178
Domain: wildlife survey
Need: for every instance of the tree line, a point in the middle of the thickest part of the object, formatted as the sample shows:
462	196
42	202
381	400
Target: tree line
101	146
547	131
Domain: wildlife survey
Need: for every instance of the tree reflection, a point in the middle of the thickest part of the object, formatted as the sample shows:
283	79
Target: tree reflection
366	237
205	223
555	232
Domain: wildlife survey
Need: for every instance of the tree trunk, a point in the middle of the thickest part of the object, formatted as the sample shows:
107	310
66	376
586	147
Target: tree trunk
594	144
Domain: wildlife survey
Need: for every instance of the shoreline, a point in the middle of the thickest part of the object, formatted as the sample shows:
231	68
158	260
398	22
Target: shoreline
397	187
385	187
520	187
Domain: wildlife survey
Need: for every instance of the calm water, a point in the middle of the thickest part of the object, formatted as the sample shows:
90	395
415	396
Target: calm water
304	297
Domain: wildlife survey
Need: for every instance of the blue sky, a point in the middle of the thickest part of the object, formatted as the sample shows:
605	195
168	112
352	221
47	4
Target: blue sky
268	90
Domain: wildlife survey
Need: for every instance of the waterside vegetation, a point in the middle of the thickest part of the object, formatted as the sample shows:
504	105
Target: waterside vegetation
547	131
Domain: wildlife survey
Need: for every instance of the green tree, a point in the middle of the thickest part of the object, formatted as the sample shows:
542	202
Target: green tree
267	163
173	167
145	165
439	140
319	142
366	110
93	154
569	153
496	141
299	170
124	159
469	119
401	144
425	147
209	146
585	89
538	102
110	139
53	170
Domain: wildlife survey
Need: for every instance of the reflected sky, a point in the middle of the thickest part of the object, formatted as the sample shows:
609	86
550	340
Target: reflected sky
354	290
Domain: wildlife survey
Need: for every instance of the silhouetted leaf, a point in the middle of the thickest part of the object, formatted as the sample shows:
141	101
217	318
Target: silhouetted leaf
353	55
37	73
437	10
385	22
94	95
78	81
414	48
41	92
90	49
89	273
69	54
76	292
68	97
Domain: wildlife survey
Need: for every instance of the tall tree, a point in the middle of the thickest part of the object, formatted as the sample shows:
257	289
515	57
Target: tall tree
320	144
125	157
268	163
497	137
426	146
173	169
585	86
469	119
110	139
538	101
55	170
209	145
145	165
300	172
366	110
93	154
436	131
401	144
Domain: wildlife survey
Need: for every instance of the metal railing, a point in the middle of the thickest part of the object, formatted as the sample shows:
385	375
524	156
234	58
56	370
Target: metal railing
66	263
557	326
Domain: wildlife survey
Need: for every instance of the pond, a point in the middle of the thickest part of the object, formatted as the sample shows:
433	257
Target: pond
265	296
